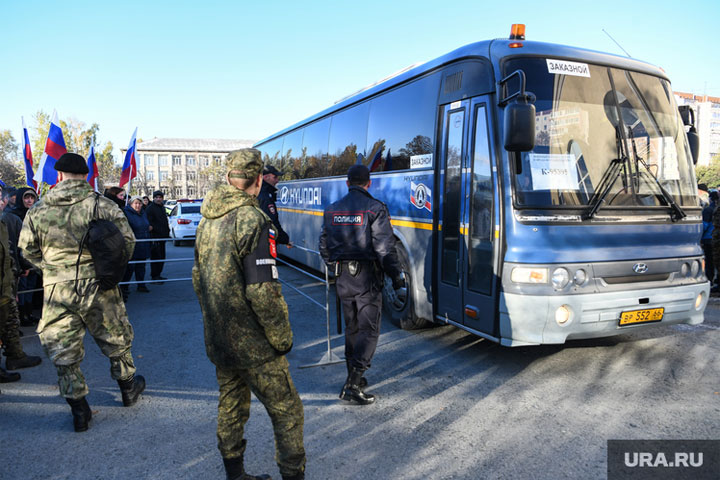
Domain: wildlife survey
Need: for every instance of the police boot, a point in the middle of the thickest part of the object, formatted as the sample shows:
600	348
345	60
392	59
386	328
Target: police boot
234	470
297	476
353	393
6	377
363	381
26	361
81	413
131	389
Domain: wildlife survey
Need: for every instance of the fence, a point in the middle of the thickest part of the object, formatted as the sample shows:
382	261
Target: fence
328	357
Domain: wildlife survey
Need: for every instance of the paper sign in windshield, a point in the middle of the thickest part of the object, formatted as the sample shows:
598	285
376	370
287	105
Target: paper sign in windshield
667	153
553	171
561	67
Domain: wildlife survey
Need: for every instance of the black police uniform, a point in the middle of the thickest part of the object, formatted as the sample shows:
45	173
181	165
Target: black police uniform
357	234
267	199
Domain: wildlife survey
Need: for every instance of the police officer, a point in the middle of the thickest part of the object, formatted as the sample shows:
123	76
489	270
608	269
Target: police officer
73	300
357	239
247	332
268	200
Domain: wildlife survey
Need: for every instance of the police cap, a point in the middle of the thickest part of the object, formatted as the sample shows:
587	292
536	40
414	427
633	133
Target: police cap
358	174
71	163
245	163
270	169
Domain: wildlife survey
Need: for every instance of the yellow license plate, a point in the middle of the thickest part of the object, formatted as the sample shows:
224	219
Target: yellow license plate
641	316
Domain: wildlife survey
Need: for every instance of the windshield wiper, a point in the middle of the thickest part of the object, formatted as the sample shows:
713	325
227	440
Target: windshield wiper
617	165
677	212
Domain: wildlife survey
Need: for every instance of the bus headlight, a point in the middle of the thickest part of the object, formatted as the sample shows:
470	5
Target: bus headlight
529	275
694	268
580	277
563	314
684	269
560	278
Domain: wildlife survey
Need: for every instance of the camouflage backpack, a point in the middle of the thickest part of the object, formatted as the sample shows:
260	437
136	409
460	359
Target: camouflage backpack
107	247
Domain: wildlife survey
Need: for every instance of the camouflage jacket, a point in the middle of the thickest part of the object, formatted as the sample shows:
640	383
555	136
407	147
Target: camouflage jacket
54	227
7	277
235	278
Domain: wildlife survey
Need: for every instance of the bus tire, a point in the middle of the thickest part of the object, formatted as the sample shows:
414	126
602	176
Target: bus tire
401	309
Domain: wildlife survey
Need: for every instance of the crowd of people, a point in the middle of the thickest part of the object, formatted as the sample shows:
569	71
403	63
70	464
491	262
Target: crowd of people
145	219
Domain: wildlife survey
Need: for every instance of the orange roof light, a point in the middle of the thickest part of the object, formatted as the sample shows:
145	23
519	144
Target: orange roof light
517	32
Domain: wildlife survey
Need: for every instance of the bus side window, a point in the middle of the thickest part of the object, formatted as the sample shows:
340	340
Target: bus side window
348	136
402	125
315	148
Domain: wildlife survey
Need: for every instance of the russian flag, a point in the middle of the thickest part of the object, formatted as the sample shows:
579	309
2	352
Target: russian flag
54	149
27	154
129	168
92	169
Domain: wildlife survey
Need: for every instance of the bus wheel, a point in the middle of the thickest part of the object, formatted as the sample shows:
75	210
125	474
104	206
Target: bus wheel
400	307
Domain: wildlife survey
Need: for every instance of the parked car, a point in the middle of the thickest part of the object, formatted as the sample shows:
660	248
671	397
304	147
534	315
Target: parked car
184	219
169	205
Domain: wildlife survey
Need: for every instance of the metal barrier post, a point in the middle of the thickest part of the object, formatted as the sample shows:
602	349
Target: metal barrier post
328	358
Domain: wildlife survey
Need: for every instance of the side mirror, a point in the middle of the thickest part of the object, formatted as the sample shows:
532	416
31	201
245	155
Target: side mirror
519	127
688	118
519	124
694	142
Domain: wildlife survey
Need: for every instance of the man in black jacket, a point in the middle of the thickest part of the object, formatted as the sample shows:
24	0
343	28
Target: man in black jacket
357	239
160	228
268	199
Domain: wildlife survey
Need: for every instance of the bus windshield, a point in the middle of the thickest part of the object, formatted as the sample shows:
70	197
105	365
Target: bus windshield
605	138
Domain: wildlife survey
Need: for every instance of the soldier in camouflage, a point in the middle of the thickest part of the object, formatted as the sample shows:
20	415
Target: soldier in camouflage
73	299
247	332
9	315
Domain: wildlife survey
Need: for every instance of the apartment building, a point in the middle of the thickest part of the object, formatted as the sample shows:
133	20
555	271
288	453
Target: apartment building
182	167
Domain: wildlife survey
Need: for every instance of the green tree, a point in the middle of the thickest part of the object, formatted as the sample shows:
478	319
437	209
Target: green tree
709	175
11	170
78	138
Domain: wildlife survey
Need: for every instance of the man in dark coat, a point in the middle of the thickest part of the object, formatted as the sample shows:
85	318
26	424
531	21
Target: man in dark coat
358	240
157	216
268	202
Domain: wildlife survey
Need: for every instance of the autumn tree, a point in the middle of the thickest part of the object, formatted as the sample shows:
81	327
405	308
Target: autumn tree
78	138
11	170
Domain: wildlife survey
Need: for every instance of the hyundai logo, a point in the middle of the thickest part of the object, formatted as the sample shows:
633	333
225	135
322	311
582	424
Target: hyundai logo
640	268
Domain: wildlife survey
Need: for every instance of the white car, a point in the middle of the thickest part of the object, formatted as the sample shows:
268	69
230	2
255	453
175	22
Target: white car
184	219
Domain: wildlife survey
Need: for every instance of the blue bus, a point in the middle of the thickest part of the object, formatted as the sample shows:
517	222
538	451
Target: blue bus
538	192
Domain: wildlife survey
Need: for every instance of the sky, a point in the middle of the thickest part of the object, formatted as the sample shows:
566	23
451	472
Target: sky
246	69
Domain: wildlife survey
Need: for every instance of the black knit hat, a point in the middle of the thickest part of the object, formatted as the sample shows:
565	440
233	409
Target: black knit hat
71	163
358	174
158	193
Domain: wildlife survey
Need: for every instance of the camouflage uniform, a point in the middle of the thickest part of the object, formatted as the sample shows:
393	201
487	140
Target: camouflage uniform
247	332
50	239
8	329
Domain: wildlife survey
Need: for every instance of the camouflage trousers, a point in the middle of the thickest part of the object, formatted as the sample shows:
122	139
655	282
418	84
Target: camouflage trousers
9	328
65	317
272	385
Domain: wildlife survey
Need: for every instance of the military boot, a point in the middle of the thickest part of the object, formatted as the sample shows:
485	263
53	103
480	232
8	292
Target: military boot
6	377
81	413
297	476
352	392
26	361
131	389
363	381
235	470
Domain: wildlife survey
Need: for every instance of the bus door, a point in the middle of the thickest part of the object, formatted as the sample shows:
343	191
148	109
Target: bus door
466	239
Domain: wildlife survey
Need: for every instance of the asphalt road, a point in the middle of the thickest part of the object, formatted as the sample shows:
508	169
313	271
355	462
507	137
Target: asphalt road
451	406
